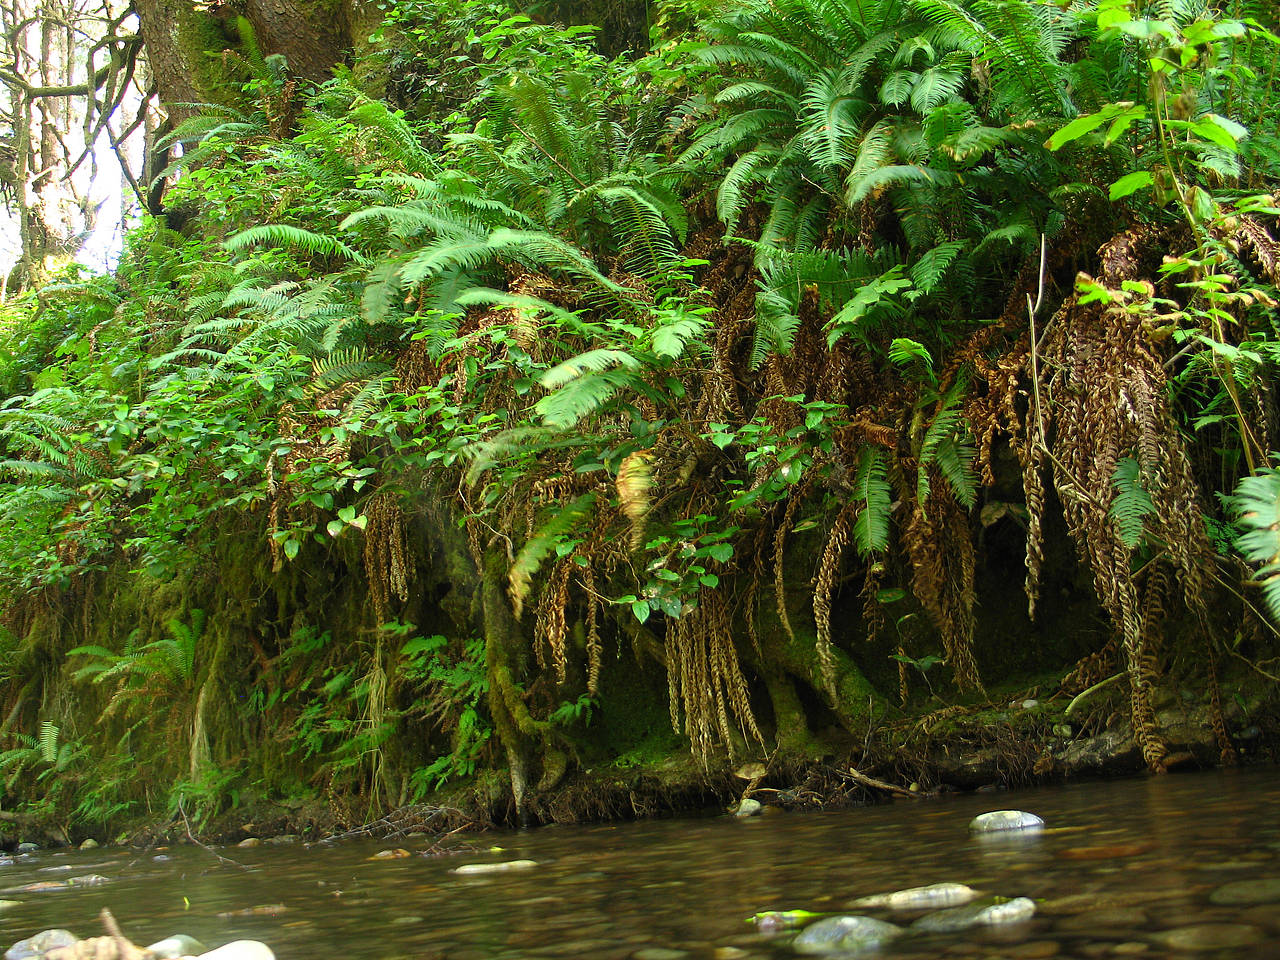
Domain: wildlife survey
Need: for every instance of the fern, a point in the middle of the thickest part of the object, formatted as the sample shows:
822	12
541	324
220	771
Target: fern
946	445
871	488
582	386
1131	504
281	235
1255	506
48	742
927	272
540	545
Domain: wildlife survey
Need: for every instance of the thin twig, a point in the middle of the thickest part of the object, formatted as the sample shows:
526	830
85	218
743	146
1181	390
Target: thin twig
543	150
204	846
1032	309
872	782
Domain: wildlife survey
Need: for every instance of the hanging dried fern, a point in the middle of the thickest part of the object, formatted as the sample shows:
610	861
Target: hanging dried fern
387	561
1106	396
635	480
705	680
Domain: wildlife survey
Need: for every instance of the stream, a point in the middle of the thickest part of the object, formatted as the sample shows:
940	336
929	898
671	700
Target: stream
1176	866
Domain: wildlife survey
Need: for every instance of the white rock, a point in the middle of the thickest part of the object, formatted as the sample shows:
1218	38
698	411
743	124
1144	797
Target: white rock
976	915
476	869
240	950
844	935
919	898
1011	911
748	808
998	821
178	945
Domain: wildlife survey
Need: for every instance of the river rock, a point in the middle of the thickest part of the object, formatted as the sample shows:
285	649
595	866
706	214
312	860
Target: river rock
38	944
89	844
479	869
1246	893
1108	918
178	945
748	808
1000	821
845	935
240	950
1210	936
919	898
28	847
976	915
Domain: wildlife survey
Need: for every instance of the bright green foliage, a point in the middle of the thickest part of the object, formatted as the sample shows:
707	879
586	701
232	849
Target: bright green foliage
1132	503
1255	504
871	487
402	341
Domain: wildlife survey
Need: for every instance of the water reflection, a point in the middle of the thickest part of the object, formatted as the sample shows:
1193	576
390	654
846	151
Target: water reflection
1125	868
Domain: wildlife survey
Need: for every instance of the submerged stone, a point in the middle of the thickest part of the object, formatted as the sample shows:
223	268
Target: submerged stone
976	915
89	844
1245	893
240	950
178	945
1210	936
748	808
919	898
845	935
28	847
999	821
39	944
479	869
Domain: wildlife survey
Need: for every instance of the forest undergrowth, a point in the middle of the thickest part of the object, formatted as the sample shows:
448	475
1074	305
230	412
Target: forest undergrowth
525	425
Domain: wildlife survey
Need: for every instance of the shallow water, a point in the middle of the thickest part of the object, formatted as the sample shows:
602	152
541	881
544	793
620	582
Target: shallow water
1122	869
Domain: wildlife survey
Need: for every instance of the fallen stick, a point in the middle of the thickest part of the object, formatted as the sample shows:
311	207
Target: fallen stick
875	784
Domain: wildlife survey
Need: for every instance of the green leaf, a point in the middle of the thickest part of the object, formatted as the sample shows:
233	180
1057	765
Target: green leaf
641	610
720	551
1080	126
1225	133
865	300
1131	183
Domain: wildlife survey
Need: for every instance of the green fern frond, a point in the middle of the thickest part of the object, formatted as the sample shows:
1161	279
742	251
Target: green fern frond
1131	504
587	393
49	733
928	271
538	547
947	446
775	327
281	235
1255	508
871	488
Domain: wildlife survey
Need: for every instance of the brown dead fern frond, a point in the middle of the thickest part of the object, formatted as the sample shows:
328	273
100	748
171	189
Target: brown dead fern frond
551	628
939	544
705	680
634	486
779	556
824	585
387	560
1106	398
586	579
